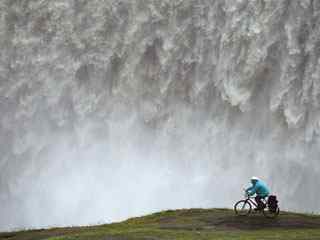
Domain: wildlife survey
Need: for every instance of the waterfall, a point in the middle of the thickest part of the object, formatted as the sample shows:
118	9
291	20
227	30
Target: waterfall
117	108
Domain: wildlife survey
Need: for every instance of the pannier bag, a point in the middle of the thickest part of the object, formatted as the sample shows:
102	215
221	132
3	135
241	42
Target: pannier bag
273	202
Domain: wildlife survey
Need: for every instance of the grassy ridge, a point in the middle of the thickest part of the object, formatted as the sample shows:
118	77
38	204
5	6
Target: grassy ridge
188	224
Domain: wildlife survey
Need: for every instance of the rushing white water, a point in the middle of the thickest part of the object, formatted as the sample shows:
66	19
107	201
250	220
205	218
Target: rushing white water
113	108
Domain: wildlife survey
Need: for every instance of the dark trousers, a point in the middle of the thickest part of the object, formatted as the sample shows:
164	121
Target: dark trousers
259	201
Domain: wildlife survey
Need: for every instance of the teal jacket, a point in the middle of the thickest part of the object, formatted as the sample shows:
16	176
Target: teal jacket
259	188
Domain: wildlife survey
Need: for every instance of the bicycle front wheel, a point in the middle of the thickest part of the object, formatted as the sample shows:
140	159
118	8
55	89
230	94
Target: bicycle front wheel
242	208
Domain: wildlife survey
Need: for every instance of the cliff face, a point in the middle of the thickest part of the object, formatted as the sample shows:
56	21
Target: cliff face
115	108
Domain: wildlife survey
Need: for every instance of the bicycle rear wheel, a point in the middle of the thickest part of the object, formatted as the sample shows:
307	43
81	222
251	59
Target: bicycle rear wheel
242	208
271	213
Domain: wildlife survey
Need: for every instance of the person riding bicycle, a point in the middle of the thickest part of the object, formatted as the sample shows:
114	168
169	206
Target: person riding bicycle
260	189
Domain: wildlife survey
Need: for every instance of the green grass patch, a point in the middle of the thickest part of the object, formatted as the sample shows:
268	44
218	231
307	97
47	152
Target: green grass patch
188	224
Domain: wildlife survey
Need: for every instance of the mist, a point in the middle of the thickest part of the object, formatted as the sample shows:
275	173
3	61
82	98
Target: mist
112	109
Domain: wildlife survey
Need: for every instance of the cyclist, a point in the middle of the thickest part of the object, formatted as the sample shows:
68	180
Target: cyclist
260	189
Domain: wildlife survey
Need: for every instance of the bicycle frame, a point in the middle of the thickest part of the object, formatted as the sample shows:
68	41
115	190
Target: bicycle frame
251	201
